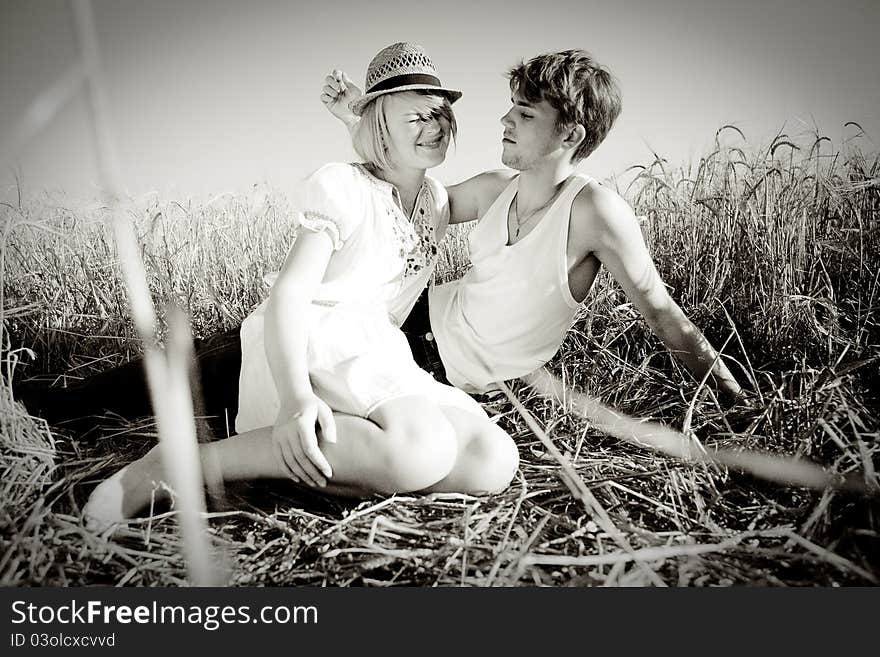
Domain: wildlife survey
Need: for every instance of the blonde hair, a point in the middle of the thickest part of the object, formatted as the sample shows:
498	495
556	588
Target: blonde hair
371	138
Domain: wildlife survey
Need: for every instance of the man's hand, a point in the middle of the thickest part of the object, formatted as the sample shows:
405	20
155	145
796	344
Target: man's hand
296	439
739	398
338	92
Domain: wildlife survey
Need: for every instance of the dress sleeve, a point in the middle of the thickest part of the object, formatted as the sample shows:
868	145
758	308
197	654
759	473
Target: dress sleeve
331	203
440	210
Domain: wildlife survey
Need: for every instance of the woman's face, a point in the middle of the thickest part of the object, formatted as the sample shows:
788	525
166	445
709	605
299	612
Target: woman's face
418	131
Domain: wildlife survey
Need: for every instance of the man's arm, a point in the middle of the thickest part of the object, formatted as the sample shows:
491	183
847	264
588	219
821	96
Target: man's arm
469	199
604	224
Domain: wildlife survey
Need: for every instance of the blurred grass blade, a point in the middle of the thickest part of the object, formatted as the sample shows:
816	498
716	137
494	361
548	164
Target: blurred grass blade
180	452
167	379
40	113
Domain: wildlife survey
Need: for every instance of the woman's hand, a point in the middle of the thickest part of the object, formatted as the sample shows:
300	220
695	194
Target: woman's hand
338	92
296	439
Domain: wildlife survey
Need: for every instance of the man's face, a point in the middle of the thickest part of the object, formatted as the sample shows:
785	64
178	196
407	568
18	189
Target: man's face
530	134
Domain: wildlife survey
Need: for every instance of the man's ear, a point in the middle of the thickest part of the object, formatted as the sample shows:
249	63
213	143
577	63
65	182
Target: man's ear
576	134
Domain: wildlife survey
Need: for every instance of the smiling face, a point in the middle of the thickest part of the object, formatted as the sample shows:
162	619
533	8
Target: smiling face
419	128
530	133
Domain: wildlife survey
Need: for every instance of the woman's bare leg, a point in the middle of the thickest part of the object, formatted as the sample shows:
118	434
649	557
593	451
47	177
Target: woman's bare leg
487	456
407	444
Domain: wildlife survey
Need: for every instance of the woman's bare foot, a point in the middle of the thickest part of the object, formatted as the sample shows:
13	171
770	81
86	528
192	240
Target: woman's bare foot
125	493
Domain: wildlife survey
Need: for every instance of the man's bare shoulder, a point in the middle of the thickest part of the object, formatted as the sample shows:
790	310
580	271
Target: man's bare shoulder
471	198
496	178
488	183
599	213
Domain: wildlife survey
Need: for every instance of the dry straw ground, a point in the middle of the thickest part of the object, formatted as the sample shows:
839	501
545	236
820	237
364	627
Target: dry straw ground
773	251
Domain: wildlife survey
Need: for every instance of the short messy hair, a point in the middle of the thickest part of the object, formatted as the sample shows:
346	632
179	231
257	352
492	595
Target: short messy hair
370	136
580	89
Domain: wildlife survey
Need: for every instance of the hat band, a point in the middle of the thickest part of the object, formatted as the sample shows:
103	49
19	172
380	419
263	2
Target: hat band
403	80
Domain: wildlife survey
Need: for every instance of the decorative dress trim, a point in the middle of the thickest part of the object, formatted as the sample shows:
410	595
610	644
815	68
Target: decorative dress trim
425	250
416	237
318	221
384	185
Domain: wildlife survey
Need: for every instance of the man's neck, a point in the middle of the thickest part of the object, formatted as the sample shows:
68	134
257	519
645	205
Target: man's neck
537	185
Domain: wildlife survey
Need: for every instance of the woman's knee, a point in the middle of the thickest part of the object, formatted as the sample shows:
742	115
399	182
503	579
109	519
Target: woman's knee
420	450
494	460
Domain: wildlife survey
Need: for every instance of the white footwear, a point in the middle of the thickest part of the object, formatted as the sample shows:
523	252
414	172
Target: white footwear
103	510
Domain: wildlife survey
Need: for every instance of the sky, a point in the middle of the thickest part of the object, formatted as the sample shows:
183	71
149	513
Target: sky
208	97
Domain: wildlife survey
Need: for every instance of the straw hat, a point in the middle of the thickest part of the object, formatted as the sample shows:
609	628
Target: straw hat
400	67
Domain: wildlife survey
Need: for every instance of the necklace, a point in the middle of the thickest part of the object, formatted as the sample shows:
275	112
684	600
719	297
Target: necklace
407	208
520	222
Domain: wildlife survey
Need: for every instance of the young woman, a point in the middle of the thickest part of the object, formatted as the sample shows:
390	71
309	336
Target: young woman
329	394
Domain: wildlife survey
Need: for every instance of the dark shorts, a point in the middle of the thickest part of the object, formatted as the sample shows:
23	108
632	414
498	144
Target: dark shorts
218	364
417	329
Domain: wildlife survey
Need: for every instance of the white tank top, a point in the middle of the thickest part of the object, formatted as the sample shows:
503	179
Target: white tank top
509	313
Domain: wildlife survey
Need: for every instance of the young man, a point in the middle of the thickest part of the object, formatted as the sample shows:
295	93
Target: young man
542	235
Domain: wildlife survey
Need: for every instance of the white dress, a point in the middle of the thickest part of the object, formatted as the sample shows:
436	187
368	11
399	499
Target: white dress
357	356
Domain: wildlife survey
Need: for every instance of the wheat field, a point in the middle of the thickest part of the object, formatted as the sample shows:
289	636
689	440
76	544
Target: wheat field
773	250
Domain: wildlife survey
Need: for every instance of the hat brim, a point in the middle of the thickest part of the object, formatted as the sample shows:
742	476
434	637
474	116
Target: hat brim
357	106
